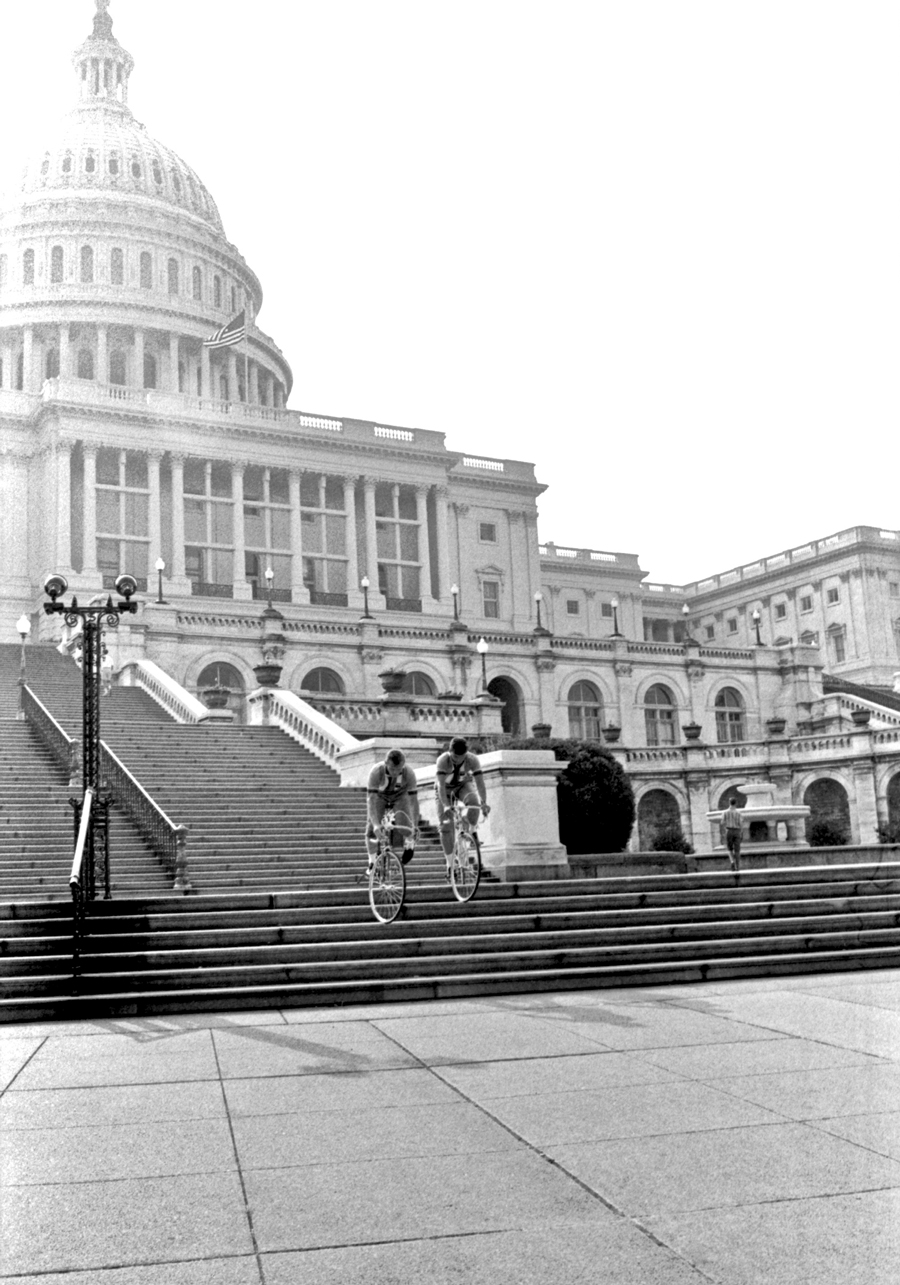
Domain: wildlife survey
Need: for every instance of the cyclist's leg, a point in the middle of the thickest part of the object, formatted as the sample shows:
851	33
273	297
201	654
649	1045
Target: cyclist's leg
446	829
473	806
379	807
404	826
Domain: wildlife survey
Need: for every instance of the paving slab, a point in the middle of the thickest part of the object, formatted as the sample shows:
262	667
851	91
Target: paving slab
878	1132
169	1023
715	1168
825	1241
297	1050
627	1111
710	1062
407	1199
576	1071
72	1062
213	1271
374	1012
884	993
607	1251
810	1095
101	1151
119	1104
337	1137
71	1226
485	1037
343	1091
14	1055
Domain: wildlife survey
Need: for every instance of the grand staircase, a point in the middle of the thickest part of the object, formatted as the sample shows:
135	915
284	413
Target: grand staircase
324	948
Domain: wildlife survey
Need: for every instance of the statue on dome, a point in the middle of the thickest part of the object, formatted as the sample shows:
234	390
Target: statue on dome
102	20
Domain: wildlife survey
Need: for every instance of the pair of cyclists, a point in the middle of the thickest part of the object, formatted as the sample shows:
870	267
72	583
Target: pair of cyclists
392	784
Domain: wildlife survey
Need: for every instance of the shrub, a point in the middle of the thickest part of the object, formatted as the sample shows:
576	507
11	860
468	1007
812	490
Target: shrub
670	838
596	801
889	833
826	834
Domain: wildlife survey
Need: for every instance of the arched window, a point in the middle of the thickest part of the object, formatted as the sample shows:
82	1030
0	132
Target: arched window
28	268
136	170
585	712
659	820
56	264
220	674
117	267
322	680
90	163
217	291
114	165
197	283
417	684
87	263
146	270
117	367
173	276
85	364
149	370
157	174
829	818
893	809
181	376
51	365
731	723
67	163
659	716
176	182
45	165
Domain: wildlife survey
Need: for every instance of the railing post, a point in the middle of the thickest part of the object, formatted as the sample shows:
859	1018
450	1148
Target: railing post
182	882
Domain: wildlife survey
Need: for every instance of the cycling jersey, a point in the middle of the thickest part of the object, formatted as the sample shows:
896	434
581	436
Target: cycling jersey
391	789
458	775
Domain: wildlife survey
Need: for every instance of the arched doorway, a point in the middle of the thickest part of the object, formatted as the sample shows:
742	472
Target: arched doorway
829	818
657	811
511	716
221	674
893	808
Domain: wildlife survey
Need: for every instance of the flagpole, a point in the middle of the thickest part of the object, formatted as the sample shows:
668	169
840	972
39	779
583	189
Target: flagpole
247	350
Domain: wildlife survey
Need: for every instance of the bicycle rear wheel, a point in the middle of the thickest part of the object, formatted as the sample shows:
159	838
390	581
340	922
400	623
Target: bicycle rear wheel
465	868
387	885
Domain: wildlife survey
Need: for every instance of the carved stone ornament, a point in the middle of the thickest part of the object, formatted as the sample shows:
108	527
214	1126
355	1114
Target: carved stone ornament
372	655
695	672
622	668
545	664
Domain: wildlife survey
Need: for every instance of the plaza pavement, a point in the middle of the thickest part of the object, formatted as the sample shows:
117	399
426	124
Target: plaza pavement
741	1132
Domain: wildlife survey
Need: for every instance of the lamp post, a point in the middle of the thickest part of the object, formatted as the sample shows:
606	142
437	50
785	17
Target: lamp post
92	617
755	617
270	577
538	599
614	603
23	626
160	568
364	585
454	589
686	616
482	648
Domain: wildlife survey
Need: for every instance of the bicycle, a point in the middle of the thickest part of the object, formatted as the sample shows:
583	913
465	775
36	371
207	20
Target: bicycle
386	873
465	861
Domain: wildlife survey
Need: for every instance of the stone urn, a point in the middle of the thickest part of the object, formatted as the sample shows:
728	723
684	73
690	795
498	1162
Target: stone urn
775	726
391	680
692	731
611	733
449	696
267	674
860	717
215	697
540	731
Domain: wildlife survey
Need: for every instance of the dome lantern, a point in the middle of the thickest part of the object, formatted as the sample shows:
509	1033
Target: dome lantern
101	64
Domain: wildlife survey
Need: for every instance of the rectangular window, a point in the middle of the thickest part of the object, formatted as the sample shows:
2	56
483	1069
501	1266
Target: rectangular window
839	648
832	596
573	607
806	603
894	588
490	591
732	624
780	610
710	632
606	610
487	532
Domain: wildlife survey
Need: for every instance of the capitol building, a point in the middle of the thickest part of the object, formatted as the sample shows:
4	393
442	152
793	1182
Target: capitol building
362	554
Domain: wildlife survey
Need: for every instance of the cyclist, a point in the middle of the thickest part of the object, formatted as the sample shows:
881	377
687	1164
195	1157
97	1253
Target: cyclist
459	776
392	784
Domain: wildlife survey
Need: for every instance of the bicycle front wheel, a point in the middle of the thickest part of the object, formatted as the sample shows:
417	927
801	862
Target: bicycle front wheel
465	869
387	886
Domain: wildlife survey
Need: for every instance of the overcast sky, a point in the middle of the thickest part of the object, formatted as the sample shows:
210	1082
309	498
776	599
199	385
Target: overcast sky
651	245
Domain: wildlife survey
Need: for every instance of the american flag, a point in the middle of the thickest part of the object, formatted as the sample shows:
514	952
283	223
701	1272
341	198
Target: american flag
230	334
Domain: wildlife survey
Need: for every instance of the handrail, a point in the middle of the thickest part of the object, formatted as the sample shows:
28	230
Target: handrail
311	728
80	893
168	840
83	825
56	738
176	700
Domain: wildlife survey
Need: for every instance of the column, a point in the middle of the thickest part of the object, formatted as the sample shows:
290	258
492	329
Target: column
270	389
65	352
426	587
101	373
376	599
242	587
154	512
442	532
63	455
279	396
205	376
254	382
28	362
299	591
178	517
174	356
232	376
7	354
137	374
89	557
354	593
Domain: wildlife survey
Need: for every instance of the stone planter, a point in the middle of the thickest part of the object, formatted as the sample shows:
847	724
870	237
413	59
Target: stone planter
267	674
611	733
692	731
449	696
391	680
775	726
215	697
860	717
540	731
